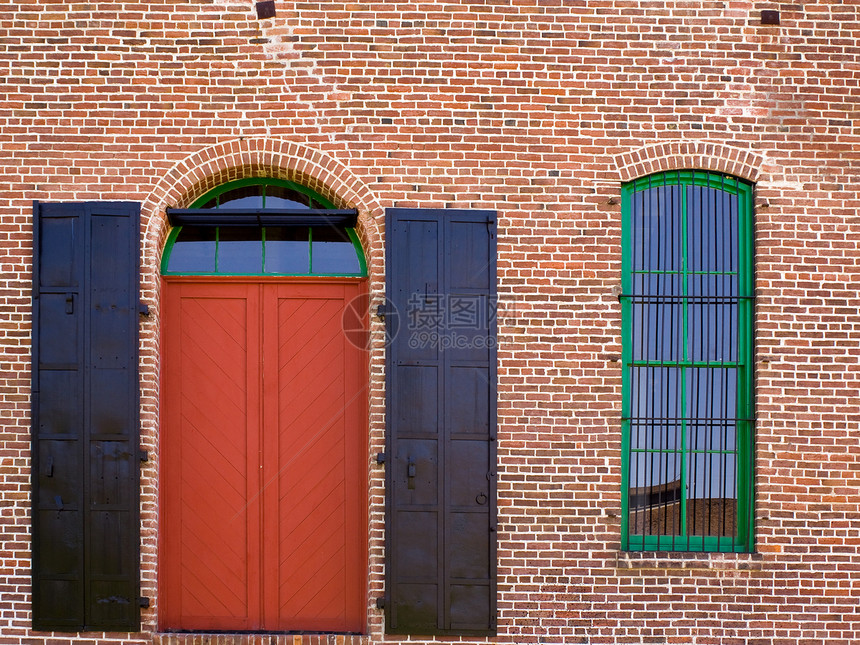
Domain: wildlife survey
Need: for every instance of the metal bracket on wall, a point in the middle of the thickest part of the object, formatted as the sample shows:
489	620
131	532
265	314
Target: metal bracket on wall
266	9
769	17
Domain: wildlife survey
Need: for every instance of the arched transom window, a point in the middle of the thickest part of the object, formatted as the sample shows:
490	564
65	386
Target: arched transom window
263	226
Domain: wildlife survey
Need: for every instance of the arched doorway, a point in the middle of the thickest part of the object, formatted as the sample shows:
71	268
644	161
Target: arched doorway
264	431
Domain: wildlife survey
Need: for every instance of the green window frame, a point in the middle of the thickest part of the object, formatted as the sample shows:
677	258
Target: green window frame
687	353
259	242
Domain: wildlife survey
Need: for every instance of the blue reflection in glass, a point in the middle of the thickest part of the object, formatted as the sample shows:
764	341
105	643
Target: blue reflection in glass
245	197
333	252
240	249
193	251
287	250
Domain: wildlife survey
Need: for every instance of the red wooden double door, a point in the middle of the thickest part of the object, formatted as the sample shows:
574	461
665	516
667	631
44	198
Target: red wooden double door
264	445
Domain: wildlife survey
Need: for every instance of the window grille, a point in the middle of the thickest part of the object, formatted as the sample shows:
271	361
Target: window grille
687	308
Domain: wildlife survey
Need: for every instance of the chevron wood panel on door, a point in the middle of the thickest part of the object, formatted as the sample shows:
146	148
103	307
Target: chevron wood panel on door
210	568
320	499
265	451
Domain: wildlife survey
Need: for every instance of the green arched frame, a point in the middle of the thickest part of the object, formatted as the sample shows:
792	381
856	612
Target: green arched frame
259	187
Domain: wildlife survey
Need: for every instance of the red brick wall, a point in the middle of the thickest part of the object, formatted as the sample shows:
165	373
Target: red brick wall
538	109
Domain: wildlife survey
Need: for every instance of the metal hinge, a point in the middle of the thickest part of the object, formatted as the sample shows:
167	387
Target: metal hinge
380	602
143	309
144	455
380	457
491	227
143	601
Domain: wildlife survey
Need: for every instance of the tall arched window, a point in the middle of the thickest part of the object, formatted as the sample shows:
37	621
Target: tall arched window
687	309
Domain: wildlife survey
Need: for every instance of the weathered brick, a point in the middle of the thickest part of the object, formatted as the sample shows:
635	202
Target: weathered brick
539	110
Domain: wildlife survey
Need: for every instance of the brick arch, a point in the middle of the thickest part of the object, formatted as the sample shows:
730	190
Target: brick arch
700	155
180	186
257	157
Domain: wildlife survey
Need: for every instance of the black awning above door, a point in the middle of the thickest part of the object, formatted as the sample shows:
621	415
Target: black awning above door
262	217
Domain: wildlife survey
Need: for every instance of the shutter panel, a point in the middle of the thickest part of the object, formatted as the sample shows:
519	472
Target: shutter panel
441	487
85	416
58	418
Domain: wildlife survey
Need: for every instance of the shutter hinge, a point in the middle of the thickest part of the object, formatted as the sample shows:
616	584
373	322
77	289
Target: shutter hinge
380	602
380	311
491	227
143	309
380	458
144	455
143	601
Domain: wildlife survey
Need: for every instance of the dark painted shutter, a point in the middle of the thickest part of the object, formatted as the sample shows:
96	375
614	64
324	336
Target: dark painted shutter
85	416
441	422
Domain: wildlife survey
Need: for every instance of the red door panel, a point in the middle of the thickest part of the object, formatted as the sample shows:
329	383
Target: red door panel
264	446
320	507
210	579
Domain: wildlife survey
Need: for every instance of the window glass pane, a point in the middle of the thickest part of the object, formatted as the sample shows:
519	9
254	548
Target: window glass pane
712	317
712	227
658	332
240	249
287	250
658	284
245	197
712	495
712	407
712	331
193	251
281	197
333	252
709	285
655	434
657	233
656	406
655	493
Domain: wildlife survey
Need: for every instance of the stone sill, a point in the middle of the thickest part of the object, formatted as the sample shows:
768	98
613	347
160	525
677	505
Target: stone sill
201	638
675	560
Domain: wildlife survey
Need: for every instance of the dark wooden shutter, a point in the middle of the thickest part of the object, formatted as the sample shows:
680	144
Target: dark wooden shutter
85	416
441	422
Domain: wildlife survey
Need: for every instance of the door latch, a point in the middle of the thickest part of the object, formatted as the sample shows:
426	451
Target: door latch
410	473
